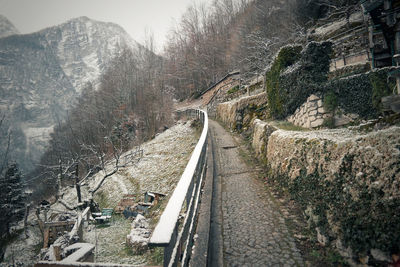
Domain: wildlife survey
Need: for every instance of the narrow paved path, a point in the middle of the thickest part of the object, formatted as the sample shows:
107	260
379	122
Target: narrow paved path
253	230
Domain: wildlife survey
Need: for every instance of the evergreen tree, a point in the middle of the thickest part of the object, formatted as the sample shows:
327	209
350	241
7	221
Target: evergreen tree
11	199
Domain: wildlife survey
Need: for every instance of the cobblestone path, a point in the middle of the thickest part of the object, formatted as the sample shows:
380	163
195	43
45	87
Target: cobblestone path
254	232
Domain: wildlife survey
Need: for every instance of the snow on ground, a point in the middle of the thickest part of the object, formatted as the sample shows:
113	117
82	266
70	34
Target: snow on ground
24	250
164	160
111	243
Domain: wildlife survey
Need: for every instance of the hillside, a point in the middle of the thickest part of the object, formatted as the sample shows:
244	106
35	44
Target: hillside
163	161
41	75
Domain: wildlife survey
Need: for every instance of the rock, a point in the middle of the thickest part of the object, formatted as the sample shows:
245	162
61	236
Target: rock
322	239
379	255
300	237
140	222
139	236
343	251
313	98
317	123
247	119
364	260
313	112
312	105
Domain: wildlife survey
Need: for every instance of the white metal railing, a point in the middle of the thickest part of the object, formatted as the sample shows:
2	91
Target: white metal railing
172	232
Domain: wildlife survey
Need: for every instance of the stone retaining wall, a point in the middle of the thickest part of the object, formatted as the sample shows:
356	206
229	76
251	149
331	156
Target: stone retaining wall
232	113
311	114
261	133
347	182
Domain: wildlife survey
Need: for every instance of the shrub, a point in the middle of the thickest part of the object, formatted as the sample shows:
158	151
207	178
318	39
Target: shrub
233	90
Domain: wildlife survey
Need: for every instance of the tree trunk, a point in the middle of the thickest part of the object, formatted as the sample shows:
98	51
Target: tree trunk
78	187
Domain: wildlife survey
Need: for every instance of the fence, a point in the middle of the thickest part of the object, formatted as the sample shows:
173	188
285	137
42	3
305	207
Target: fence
176	226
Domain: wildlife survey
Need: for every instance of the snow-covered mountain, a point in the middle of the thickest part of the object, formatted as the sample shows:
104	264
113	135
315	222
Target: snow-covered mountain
42	73
84	47
6	27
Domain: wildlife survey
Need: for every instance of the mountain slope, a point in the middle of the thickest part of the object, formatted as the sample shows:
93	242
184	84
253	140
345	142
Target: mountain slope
41	74
6	27
84	47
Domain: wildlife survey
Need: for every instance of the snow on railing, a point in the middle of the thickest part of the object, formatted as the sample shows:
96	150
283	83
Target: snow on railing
173	234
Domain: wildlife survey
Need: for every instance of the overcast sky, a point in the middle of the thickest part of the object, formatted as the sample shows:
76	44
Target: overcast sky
133	15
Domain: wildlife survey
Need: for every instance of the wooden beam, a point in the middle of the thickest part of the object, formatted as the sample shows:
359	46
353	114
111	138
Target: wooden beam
46	237
63	223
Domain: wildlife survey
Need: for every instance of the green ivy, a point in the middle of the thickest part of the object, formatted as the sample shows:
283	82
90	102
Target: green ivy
368	221
286	56
330	101
286	91
361	94
380	88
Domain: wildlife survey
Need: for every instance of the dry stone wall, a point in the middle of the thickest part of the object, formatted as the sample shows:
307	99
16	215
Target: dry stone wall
261	133
232	113
311	114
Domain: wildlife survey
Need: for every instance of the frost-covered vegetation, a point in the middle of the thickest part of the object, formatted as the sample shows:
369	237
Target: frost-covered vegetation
163	162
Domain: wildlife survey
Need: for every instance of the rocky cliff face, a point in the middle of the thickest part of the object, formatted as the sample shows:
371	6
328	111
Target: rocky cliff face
84	47
6	27
42	73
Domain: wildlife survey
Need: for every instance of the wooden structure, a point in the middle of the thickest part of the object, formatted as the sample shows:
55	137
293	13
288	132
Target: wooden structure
152	197
78	252
228	81
384	41
350	48
127	200
384	30
51	231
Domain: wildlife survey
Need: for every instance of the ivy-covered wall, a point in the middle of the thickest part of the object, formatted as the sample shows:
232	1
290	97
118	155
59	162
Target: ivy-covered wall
361	94
296	74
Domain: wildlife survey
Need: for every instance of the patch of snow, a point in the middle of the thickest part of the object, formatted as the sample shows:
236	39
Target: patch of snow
139	236
82	249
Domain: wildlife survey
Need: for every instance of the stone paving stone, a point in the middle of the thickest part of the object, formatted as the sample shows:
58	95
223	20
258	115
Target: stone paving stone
254	231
